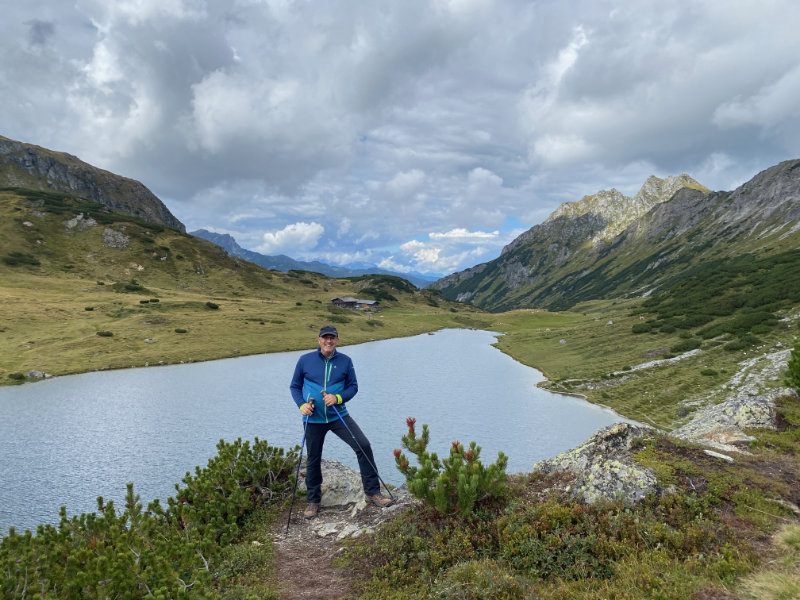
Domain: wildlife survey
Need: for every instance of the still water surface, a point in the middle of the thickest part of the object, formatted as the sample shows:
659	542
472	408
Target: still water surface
70	439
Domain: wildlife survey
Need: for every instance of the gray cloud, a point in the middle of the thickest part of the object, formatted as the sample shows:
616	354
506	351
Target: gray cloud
368	131
39	32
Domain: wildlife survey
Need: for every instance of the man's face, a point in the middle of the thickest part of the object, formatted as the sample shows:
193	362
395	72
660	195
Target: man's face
328	344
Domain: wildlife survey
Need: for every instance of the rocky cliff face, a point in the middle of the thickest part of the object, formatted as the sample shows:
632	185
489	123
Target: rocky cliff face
609	245
28	166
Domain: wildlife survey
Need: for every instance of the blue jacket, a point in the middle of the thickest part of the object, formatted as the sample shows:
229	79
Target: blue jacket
314	373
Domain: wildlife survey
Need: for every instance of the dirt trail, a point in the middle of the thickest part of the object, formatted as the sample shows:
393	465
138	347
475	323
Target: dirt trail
303	558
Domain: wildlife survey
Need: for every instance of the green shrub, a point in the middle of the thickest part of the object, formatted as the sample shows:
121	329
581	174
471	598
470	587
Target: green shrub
161	552
708	372
793	371
153	300
338	319
212	305
685	346
642	327
744	341
377	293
16	376
144	301
180	330
14	259
455	484
102	333
483	579
88	308
132	287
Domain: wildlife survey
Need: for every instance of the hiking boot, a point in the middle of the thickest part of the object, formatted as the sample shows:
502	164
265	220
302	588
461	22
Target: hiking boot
379	500
311	510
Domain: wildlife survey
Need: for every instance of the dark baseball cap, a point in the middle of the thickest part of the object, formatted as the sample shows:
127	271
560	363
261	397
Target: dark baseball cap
328	330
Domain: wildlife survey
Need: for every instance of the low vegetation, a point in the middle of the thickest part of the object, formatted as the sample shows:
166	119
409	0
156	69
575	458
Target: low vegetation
707	538
195	547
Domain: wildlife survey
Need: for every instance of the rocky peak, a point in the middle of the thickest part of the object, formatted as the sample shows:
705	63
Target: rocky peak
617	210
28	166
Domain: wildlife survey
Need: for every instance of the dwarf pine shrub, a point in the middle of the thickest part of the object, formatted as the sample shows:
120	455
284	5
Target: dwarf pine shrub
174	551
14	259
793	373
454	484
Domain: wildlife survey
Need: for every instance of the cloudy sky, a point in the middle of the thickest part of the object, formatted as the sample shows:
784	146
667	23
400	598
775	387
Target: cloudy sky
417	134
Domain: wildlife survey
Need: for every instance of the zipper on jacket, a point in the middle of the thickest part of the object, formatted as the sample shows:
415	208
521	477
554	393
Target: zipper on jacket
328	368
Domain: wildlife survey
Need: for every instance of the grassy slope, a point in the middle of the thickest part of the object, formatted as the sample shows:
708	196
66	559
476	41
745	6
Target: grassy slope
593	353
45	325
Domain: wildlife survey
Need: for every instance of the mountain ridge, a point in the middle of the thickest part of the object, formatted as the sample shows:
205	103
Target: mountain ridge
568	259
29	166
281	262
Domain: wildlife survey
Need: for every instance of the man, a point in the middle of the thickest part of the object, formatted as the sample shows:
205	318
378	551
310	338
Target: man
323	381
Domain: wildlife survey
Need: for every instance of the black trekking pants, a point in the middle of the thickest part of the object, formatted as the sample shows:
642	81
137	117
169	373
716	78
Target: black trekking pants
315	438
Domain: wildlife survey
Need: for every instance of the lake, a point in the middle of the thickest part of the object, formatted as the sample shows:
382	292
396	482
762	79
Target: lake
67	440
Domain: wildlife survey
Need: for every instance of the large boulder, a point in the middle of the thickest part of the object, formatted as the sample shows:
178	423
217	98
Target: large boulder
341	485
344	511
603	467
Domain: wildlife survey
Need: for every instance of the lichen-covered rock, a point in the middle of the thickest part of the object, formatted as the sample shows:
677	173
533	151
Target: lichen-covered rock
344	511
722	425
604	468
340	484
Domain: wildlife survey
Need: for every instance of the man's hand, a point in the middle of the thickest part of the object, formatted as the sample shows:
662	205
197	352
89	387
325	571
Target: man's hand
330	399
308	408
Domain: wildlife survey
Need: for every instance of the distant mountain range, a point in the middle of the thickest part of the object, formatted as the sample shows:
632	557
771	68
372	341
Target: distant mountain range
281	262
611	246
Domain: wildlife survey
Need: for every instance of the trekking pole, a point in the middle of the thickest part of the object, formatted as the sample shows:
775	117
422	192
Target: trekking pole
355	439
296	475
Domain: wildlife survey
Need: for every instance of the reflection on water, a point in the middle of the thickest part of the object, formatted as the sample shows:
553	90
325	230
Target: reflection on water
70	439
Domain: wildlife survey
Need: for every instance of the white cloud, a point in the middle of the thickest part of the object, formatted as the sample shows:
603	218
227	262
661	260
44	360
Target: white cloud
297	238
387	120
464	235
406	184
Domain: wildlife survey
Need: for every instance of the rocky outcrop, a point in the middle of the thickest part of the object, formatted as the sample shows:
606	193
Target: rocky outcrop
722	426
618	211
603	467
115	239
343	510
28	166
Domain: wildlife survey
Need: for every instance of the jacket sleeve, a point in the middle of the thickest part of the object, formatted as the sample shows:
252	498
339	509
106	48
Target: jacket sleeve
350	382
296	386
